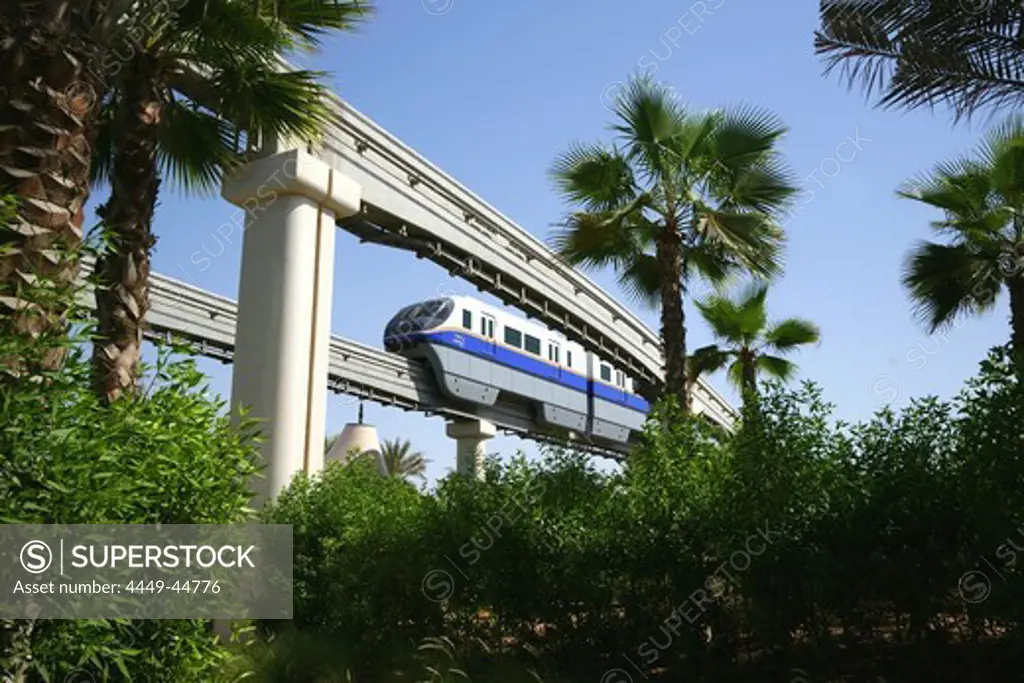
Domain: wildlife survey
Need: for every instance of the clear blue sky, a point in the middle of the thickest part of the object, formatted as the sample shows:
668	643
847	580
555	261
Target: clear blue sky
492	91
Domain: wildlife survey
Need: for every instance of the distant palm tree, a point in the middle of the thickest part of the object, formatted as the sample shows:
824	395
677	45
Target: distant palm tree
690	193
983	204
401	460
966	53
750	340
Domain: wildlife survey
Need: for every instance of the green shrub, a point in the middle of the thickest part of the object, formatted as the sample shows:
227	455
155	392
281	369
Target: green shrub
706	550
167	456
360	554
170	456
292	656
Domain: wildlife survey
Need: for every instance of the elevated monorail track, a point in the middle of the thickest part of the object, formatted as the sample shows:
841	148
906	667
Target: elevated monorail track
206	321
411	204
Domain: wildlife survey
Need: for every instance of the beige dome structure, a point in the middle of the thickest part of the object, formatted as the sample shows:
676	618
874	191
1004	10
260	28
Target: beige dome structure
359	438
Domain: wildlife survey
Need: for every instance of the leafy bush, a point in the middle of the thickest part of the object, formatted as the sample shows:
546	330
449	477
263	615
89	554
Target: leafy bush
292	656
167	456
795	538
705	551
359	554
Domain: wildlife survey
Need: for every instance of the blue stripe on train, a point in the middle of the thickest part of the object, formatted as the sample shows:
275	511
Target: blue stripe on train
530	365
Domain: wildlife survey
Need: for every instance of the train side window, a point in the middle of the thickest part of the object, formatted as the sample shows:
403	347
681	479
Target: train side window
487	326
513	337
531	344
568	359
467	319
553	353
606	372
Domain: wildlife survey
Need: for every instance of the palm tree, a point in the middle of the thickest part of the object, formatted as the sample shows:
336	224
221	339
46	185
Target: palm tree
966	53
401	460
51	73
208	81
686	194
982	200
743	325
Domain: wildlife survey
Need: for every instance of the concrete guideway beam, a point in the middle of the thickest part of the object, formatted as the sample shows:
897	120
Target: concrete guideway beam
416	202
208	322
283	334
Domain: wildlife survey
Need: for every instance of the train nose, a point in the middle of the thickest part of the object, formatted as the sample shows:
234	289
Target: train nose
403	330
399	334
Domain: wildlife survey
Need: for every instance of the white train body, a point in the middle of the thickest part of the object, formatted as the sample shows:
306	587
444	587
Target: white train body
478	351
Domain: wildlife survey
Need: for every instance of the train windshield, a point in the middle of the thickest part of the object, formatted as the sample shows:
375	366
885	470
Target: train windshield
421	316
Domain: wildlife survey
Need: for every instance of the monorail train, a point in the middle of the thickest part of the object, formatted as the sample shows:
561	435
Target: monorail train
477	352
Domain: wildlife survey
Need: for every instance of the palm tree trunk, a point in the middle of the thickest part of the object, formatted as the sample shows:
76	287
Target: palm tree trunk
48	88
122	292
673	322
1016	287
749	371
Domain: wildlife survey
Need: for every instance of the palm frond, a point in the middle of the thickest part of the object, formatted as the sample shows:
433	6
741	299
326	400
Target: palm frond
739	321
594	177
780	368
206	33
195	148
706	360
1008	131
945	281
768	187
311	19
753	237
712	261
257	97
960	187
401	460
735	373
650	127
788	334
745	137
750	311
694	135
1003	153
723	316
922	53
595	240
963	190
641	279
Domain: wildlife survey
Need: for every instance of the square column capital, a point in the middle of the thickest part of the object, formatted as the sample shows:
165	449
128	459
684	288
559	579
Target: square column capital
293	172
470	429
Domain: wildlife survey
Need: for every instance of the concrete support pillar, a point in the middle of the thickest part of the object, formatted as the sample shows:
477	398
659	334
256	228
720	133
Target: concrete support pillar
470	437
291	201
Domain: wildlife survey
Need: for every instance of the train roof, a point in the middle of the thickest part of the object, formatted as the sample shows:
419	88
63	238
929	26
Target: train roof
505	311
509	312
